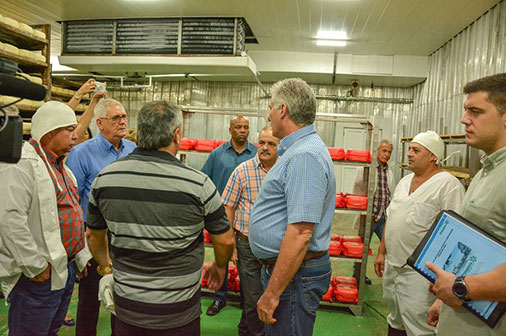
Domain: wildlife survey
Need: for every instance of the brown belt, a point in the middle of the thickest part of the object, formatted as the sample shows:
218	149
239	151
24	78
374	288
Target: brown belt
240	234
308	256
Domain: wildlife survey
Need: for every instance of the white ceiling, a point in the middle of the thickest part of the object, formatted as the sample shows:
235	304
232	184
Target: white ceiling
374	27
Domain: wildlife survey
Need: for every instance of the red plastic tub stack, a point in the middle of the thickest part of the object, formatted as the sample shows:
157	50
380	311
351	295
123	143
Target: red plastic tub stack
336	153
340	201
354	201
207	237
233	278
353	249
359	155
203	281
188	143
346	293
335	248
205	145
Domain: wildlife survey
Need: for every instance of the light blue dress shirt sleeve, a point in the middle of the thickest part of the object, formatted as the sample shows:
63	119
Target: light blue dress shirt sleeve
305	188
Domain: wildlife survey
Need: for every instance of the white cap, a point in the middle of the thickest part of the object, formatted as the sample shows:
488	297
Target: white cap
50	116
432	141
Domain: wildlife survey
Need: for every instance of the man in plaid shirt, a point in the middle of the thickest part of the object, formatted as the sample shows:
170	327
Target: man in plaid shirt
238	198
385	185
41	231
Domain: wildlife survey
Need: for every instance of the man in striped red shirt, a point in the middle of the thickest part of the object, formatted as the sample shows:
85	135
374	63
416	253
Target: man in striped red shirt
41	232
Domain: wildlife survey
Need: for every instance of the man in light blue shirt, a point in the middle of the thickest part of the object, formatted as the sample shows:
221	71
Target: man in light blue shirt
219	166
292	218
86	160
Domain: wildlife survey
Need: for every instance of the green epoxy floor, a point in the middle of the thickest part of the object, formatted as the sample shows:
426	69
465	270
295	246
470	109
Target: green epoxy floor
328	322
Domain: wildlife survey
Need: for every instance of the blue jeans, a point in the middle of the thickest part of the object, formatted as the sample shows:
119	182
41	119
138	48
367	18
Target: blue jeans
36	310
250	272
378	227
221	294
296	312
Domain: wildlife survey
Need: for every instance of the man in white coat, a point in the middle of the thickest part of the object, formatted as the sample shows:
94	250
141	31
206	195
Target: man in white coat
42	237
417	200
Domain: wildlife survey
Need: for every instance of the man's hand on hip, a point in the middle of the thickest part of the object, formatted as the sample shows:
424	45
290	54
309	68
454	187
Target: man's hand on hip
44	275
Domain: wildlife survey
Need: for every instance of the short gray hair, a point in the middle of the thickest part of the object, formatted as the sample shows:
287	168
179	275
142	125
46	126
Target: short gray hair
385	142
101	108
299	99
156	123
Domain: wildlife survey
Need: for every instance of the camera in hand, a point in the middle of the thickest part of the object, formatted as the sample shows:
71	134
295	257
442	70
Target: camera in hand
11	125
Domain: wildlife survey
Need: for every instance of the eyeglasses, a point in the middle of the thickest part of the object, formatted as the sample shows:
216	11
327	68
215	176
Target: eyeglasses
116	119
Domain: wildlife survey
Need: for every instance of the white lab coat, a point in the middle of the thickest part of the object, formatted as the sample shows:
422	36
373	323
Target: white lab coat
29	226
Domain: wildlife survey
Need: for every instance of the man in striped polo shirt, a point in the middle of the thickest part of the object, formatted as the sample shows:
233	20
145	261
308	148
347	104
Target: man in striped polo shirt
238	198
41	229
155	209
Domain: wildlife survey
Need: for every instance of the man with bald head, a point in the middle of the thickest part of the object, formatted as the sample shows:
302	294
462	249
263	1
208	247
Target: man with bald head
219	166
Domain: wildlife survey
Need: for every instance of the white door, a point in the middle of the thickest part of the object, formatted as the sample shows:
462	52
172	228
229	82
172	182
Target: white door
354	138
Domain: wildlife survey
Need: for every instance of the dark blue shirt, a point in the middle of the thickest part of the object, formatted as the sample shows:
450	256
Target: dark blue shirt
223	160
87	159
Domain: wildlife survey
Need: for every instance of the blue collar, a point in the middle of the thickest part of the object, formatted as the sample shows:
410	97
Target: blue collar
249	147
106	145
290	139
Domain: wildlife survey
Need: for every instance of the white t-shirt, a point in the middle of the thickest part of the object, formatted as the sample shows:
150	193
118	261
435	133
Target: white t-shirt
409	217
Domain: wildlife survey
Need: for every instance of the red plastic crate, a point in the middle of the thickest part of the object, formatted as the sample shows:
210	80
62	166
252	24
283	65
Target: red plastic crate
345	280
203	281
358	202
329	295
352	249
346	293
205	145
359	155
340	201
336	153
188	143
351	238
232	272
207	237
335	249
334	237
234	285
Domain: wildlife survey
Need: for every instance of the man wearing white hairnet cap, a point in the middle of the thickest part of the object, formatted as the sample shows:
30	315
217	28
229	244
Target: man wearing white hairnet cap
417	200
42	234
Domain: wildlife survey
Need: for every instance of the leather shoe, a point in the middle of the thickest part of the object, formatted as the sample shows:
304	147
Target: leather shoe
367	280
216	307
69	323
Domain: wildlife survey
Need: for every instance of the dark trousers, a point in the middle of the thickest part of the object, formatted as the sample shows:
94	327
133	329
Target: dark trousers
191	329
88	306
250	273
36	310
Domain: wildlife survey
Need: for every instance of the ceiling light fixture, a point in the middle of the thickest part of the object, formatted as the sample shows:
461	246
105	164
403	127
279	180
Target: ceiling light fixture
331	35
332	43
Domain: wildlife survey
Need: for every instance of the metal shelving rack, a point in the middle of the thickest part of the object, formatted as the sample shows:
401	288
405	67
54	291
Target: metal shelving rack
371	143
21	39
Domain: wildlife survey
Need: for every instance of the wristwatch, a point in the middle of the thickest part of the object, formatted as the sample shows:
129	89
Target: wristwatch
103	271
460	289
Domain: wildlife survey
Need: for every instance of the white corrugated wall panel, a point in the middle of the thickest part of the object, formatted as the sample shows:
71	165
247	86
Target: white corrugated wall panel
476	52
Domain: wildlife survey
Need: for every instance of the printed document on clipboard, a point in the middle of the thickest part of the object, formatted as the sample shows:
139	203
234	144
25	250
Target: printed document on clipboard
460	247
